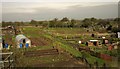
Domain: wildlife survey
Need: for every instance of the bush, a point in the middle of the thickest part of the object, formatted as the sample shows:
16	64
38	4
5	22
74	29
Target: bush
115	29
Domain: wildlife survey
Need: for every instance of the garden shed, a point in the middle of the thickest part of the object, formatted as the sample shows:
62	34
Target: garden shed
22	41
93	43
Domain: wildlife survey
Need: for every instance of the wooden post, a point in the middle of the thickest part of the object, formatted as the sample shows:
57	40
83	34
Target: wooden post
11	58
9	62
82	59
90	65
96	63
104	66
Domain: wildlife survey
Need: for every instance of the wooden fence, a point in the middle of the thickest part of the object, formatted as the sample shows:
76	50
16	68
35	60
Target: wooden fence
7	60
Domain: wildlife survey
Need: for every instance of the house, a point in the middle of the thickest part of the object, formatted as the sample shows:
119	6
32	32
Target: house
22	41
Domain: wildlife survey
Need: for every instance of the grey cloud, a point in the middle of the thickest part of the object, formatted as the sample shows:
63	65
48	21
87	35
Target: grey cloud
76	12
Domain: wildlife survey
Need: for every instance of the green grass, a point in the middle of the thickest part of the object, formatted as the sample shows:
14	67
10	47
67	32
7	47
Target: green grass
39	48
92	59
71	50
67	30
33	32
48	36
31	28
70	32
82	45
23	61
64	46
31	61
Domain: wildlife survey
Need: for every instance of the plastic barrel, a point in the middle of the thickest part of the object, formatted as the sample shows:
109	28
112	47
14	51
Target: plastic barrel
21	45
6	45
27	45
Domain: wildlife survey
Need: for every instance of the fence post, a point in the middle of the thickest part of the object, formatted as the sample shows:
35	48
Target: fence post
9	62
96	63
12	61
104	66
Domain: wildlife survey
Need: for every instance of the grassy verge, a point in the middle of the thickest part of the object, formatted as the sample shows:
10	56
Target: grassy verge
92	59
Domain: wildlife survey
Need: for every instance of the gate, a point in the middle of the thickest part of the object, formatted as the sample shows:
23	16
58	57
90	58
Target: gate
7	60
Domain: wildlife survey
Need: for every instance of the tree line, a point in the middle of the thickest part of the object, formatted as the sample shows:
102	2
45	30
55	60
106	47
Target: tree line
108	24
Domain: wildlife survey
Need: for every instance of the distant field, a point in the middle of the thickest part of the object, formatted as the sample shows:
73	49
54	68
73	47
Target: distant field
39	36
68	30
73	30
82	33
32	31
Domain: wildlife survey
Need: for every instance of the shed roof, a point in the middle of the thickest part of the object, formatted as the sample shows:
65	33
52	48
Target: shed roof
93	40
19	37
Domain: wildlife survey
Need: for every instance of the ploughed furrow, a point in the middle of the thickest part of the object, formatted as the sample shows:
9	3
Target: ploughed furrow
41	52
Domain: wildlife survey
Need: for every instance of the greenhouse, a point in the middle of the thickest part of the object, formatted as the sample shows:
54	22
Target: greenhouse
22	41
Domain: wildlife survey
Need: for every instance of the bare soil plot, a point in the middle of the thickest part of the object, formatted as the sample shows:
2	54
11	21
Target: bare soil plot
41	41
41	53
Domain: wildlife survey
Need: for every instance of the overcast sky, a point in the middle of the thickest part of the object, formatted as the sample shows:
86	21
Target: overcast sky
25	11
59	0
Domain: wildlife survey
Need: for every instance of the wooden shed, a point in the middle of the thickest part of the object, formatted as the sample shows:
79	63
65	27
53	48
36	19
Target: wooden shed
93	43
